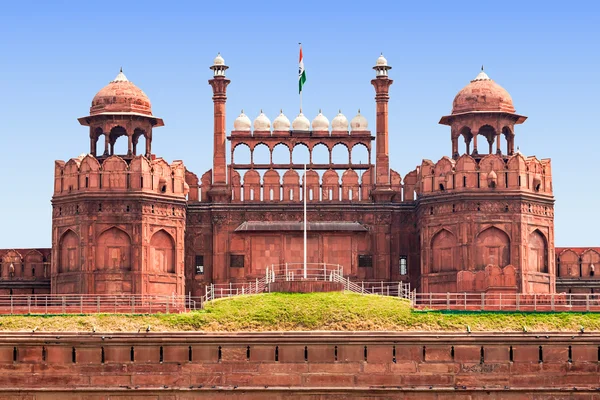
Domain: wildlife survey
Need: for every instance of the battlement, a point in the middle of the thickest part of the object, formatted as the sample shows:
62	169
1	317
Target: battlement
88	174
491	173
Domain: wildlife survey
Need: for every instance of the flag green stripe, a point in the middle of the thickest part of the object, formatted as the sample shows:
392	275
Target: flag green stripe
301	81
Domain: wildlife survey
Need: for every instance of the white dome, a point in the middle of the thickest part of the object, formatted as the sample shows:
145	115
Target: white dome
281	123
301	123
262	123
381	61
219	60
359	123
242	123
320	123
340	123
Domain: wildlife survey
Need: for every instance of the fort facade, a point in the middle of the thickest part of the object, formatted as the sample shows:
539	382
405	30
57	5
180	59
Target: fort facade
478	220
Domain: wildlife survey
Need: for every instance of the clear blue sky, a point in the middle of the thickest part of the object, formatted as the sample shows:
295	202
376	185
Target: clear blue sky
55	57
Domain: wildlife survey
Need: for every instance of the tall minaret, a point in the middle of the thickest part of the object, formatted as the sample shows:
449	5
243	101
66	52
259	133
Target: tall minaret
382	82
219	191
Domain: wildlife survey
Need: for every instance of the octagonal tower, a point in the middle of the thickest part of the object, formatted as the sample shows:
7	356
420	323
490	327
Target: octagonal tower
118	220
486	214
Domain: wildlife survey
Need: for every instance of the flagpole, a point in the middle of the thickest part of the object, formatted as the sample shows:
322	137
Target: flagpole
304	198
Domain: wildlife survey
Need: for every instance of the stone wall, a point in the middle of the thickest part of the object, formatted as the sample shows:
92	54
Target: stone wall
305	365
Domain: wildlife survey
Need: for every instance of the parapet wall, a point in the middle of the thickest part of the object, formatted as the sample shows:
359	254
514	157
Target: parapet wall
305	365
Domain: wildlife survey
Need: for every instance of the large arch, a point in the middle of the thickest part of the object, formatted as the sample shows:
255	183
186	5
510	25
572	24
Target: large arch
492	247
113	250
68	258
162	253
537	252
443	252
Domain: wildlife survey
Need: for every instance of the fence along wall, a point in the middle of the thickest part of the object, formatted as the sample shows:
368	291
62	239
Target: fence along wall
412	365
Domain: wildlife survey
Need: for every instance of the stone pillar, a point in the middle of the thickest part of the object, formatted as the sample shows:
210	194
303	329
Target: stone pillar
498	138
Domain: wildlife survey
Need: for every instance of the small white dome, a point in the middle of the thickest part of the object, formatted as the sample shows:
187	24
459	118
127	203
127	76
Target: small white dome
301	123
340	123
359	123
281	123
242	123
219	60
262	123
381	61
320	123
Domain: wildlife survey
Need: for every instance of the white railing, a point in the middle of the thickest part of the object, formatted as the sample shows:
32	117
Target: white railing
508	301
290	272
89	304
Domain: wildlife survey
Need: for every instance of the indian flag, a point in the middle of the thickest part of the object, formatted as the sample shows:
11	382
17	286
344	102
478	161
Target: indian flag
301	72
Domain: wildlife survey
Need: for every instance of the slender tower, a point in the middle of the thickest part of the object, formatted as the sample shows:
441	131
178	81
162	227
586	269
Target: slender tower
219	192
382	191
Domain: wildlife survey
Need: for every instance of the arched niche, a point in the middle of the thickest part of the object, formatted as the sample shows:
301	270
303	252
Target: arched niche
443	252
113	250
568	264
162	253
537	252
68	260
492	247
34	264
590	262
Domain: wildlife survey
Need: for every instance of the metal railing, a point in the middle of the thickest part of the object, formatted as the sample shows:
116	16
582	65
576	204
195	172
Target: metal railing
89	304
550	302
314	272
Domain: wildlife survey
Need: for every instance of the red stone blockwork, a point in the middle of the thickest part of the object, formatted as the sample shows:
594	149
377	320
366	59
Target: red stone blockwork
312	362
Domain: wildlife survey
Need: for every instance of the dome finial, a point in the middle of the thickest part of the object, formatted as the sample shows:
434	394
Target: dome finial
121	69
242	111
320	112
359	110
482	67
281	111
261	111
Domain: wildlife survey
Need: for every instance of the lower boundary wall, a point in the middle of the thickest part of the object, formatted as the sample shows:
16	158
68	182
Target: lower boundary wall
310	365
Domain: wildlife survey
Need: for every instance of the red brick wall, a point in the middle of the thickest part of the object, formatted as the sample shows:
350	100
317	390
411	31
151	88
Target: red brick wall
309	365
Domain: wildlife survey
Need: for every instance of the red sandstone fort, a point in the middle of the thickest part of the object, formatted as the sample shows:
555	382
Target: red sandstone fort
479	220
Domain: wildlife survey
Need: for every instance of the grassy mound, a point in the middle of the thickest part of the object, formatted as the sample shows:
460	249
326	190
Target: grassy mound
314	311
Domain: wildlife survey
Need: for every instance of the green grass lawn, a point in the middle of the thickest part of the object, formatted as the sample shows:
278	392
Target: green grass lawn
313	311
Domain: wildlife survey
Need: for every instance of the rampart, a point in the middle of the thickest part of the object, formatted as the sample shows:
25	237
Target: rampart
307	365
